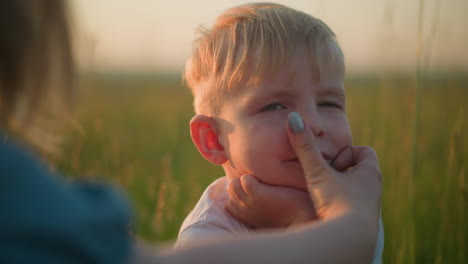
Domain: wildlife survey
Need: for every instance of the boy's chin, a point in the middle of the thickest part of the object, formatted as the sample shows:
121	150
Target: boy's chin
296	181
291	176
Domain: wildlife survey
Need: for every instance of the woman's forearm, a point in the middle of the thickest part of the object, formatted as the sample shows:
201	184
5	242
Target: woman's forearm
345	239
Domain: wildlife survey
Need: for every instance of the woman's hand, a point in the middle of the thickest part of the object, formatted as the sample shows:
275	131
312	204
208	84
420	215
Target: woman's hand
265	206
355	190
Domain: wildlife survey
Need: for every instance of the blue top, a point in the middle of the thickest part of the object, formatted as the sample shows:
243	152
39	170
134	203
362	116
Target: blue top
44	219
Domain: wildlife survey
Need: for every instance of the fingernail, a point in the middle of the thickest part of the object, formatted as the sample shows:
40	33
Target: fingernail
295	122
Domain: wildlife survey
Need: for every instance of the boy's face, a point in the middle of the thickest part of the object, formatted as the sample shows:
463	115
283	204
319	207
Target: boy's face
253	122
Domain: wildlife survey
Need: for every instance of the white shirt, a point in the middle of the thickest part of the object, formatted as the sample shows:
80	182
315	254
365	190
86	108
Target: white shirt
210	220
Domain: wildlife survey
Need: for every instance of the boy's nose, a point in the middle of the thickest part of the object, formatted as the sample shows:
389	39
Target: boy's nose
313	120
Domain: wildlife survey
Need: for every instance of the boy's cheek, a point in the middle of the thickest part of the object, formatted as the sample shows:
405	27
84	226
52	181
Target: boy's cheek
346	137
339	131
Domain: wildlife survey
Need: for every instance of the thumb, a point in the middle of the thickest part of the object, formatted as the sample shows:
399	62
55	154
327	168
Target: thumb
304	144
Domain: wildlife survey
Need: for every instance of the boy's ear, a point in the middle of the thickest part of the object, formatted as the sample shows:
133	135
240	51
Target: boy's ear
204	132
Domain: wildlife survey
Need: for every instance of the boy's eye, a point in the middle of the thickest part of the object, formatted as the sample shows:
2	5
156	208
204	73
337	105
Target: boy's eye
329	104
273	107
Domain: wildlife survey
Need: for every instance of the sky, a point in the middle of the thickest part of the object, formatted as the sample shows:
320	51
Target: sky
375	35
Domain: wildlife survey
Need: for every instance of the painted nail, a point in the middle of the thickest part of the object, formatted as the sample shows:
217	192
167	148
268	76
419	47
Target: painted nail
295	122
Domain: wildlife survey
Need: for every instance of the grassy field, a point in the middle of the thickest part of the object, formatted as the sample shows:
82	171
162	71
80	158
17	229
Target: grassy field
134	132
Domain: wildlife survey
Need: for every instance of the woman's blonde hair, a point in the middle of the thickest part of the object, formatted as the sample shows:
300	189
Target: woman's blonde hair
36	69
250	40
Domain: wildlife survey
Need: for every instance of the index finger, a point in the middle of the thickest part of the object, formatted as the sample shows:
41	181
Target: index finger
304	144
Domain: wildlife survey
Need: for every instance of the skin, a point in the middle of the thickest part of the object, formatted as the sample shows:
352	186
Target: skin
258	205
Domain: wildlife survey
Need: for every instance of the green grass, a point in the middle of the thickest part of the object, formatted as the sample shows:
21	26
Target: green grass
135	133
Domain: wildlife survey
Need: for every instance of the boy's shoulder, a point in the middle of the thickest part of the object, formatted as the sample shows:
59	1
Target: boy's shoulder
209	217
210	209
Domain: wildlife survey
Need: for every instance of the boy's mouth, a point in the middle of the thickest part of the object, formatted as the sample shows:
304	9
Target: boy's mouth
325	157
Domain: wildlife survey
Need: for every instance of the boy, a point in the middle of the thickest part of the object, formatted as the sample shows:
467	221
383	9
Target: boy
257	64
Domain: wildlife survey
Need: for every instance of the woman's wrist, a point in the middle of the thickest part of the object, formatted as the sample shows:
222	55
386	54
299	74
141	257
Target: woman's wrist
364	226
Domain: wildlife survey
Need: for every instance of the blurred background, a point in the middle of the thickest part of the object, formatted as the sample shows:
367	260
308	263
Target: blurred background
407	78
376	35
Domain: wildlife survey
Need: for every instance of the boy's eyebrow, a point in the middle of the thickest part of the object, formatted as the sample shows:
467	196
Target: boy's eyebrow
327	90
275	94
331	90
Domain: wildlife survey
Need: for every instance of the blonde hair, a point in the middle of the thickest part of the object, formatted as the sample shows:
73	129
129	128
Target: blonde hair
250	40
36	70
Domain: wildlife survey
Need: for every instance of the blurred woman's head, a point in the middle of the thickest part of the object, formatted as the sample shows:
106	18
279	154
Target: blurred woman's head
36	69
